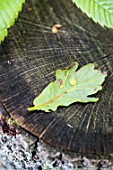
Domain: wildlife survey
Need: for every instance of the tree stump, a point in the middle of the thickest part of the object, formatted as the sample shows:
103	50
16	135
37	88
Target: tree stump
29	58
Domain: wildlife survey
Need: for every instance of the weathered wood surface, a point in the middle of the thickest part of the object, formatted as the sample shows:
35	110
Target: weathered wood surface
28	60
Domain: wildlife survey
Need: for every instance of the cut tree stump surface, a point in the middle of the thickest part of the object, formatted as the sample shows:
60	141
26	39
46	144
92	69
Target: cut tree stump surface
29	58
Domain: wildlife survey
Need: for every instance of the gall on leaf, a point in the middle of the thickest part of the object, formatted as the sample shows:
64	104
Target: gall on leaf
61	83
73	82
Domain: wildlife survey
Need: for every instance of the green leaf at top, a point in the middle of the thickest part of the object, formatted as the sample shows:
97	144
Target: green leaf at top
70	87
100	11
9	10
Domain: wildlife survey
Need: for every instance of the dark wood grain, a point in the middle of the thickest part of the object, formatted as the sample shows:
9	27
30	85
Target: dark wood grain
28	60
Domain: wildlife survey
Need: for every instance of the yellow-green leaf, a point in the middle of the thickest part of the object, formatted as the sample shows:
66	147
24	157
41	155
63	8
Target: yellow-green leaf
76	87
